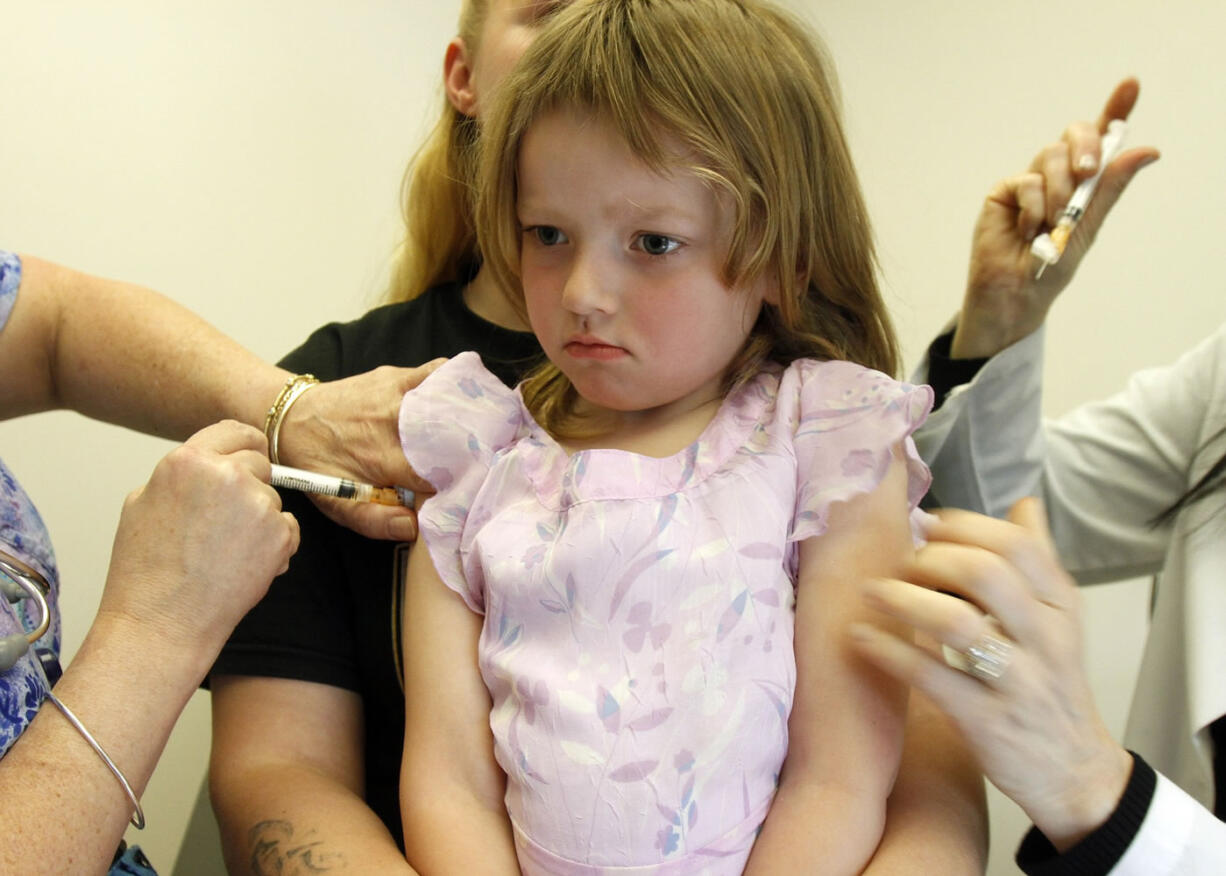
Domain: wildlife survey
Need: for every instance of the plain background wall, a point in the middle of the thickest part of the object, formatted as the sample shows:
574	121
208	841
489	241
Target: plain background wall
245	158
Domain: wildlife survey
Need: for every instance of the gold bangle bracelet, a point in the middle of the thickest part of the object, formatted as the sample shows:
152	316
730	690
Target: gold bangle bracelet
290	393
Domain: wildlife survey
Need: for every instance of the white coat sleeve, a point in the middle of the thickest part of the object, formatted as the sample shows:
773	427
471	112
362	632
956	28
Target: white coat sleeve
1111	467
984	444
1179	837
1156	830
1104	471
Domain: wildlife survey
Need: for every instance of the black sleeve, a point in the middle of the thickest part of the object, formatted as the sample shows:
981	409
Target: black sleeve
301	628
320	354
1097	853
946	374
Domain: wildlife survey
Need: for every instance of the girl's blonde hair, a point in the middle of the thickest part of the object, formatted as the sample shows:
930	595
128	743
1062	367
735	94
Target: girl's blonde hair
436	200
748	91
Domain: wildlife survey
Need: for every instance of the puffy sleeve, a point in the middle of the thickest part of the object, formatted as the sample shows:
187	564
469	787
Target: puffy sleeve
452	428
848	420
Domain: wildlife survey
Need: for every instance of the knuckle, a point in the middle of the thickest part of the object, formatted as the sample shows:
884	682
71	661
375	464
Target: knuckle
961	623
1017	545
1055	153
132	498
183	462
980	573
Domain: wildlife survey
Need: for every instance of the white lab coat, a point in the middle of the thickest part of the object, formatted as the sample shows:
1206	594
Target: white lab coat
1104	471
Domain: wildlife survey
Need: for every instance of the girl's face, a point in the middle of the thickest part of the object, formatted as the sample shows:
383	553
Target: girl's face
622	269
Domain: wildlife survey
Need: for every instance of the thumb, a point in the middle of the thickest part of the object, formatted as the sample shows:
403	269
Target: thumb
430	367
407	379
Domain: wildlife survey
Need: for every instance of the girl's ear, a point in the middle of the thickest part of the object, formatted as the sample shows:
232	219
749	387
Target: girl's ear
773	295
458	77
770	289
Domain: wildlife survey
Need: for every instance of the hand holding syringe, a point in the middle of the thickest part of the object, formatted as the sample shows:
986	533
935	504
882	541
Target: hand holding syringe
1048	248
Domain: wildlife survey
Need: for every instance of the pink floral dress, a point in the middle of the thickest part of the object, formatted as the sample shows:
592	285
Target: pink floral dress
638	612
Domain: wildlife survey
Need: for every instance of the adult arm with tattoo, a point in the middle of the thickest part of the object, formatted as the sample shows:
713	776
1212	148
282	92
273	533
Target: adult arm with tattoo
286	778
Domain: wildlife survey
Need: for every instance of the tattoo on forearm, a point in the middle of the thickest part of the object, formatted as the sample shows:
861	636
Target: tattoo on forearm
275	851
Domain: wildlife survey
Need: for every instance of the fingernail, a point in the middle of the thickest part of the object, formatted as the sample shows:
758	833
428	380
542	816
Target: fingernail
1087	162
402	529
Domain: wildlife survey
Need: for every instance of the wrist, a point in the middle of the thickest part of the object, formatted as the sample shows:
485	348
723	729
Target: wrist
291	391
973	341
987	324
176	656
259	394
1090	797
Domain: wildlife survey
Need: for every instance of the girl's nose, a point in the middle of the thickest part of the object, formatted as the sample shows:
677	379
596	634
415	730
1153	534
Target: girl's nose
589	287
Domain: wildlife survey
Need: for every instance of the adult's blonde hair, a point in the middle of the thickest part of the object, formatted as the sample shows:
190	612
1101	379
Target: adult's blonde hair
751	97
436	193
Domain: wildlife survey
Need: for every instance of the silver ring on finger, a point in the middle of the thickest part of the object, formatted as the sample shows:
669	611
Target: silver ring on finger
988	657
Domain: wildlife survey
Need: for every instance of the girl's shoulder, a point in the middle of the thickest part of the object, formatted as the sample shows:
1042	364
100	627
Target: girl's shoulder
845	423
809	388
463	386
459	417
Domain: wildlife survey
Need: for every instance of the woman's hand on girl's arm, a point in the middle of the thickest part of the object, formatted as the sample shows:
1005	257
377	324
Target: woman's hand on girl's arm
350	427
124	354
1034	729
451	787
1004	302
845	728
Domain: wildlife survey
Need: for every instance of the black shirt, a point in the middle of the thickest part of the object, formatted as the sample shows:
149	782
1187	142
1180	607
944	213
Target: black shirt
334	616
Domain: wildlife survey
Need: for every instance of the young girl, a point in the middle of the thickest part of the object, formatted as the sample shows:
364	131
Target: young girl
599	641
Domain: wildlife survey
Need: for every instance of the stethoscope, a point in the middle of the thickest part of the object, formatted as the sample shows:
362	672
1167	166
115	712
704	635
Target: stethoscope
19	582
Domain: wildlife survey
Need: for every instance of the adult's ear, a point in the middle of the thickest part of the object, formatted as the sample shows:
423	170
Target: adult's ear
458	77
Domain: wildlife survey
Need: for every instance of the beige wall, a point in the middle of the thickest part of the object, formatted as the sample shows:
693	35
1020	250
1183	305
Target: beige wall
244	158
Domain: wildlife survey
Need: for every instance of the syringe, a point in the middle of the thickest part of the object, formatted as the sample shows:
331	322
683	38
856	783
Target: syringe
1048	247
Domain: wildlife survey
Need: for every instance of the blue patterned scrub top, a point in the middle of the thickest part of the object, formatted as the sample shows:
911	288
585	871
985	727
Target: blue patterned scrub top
22	534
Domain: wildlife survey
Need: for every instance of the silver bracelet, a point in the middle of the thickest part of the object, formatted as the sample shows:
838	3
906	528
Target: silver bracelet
138	817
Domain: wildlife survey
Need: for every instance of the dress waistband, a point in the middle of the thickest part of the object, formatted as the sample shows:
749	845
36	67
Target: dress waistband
724	856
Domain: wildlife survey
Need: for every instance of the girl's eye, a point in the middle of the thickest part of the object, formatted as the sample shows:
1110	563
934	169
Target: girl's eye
547	235
658	244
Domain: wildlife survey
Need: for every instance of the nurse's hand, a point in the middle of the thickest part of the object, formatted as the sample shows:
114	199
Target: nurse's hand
1004	302
198	545
995	588
350	428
